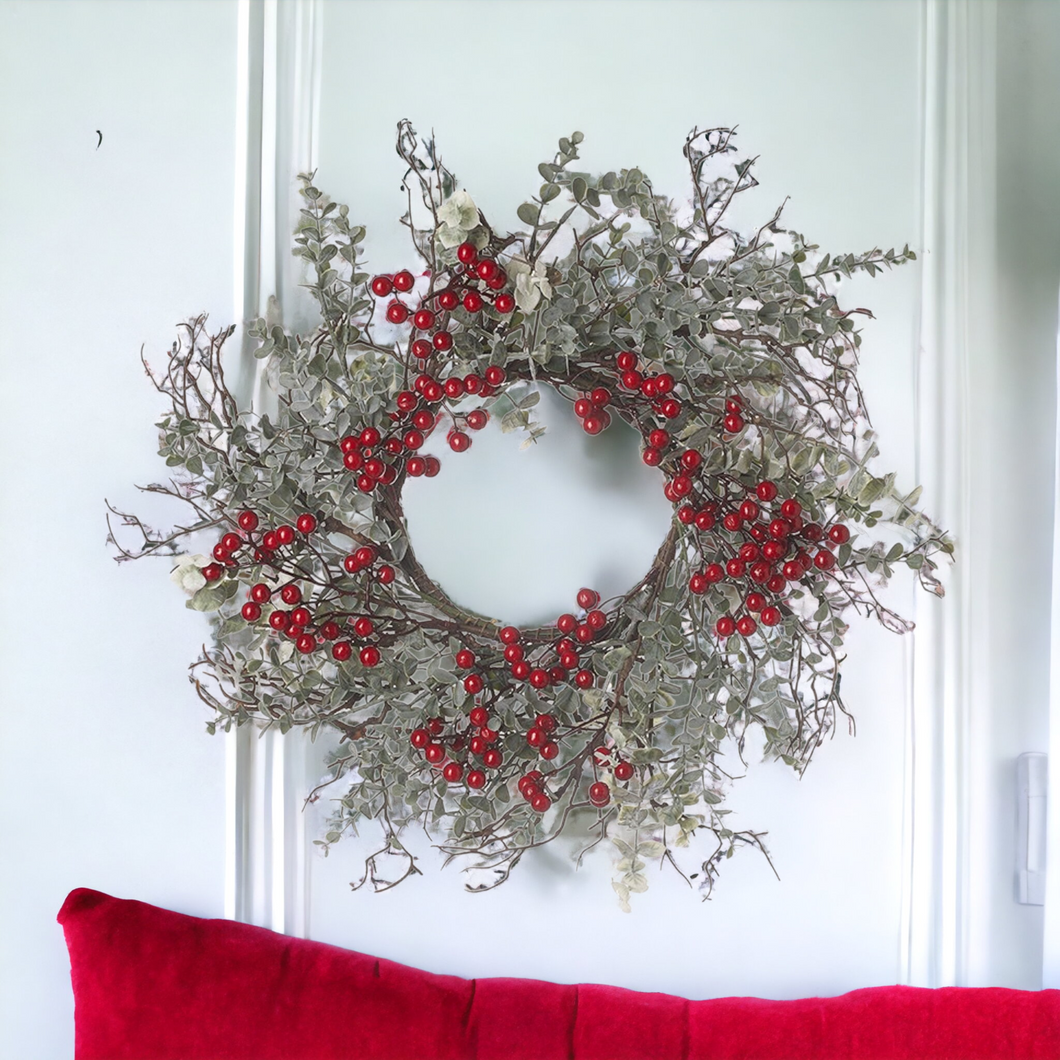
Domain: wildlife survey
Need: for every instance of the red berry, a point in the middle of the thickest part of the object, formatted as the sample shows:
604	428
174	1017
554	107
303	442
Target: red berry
459	442
300	616
248	521
435	726
705	520
766	491
594	423
492	758
433	391
770	616
211	572
748	552
271	541
370	656
251	611
651	457
760	572
735	568
732	522
406	401
647	387
465	660
539	678
540	802
779	528
353	461
486	269
473	302
691	459
734	403
681	486
584	679
497	280
454	388
534	736
477	745
588	598
790	509
582	407
733	423
433	466
686	514
792	570
365	555
505	303
725	626
596	620
632	380
477	419
453	772
671	408
306	643
509	635
568	660
824	560
306	523
260	593
495	375
479	716
434	753
448	300
626	361
423	319
476	779
521	670
839	534
600	396
422	348
584	634
442	341
397	313
413	439
513	653
549	750
774	550
746	626
698	584
279	620
329	630
415	466
776	584
714	572
419	738
466	253
599	794
291	594
473	684
749	511
364	627
341	650
623	771
403	281
381	286
221	554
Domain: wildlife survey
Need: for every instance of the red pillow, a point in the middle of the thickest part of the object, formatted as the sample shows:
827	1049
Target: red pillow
154	985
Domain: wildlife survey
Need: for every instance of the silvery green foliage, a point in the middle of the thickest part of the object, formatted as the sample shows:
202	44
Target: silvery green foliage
604	264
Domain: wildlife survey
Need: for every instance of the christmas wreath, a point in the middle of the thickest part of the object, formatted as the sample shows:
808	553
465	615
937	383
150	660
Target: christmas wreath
737	366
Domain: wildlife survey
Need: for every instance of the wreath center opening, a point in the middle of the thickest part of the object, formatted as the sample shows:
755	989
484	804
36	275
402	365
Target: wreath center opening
513	527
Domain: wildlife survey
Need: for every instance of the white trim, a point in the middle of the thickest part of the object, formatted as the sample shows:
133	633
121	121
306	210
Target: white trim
955	328
277	121
1051	932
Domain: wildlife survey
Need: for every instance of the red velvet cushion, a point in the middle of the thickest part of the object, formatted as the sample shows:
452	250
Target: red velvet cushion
154	985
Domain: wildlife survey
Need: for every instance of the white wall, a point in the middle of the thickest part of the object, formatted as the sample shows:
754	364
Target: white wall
107	777
850	160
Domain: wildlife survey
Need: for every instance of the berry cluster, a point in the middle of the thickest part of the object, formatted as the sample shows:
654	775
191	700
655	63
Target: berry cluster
540	661
264	544
757	541
474	286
